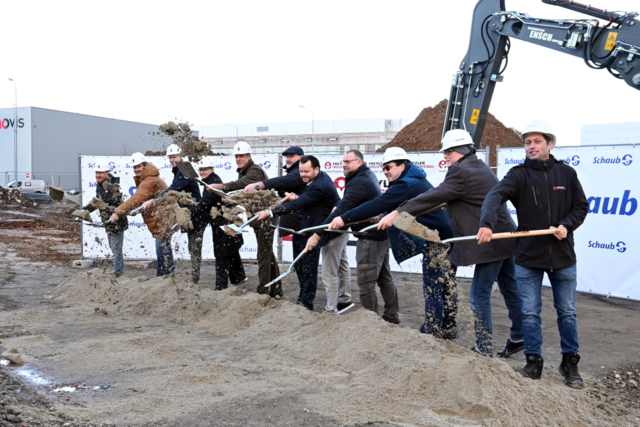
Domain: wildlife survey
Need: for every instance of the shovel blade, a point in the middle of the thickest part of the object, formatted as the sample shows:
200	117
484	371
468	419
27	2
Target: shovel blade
277	279
187	170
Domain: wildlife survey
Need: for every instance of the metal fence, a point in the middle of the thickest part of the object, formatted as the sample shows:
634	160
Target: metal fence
66	180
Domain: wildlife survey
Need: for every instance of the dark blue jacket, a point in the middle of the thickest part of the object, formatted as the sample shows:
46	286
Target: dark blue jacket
315	204
113	200
361	186
189	186
411	183
289	183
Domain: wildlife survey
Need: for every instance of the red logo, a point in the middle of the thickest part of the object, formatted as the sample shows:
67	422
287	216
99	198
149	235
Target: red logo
27	175
340	183
443	164
327	165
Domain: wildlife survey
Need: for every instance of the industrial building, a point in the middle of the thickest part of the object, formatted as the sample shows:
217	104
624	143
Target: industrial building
322	136
49	142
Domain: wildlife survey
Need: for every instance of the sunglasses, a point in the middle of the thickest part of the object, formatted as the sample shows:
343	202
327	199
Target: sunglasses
448	152
388	168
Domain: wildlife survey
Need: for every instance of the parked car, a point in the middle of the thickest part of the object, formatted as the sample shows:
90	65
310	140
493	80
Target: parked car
26	186
74	191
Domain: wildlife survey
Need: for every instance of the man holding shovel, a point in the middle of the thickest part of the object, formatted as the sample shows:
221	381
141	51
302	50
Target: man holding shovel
159	219
545	192
108	191
464	188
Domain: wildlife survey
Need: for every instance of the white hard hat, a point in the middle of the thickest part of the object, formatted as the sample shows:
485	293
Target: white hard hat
103	167
206	162
394	153
173	150
456	138
137	158
538	126
241	147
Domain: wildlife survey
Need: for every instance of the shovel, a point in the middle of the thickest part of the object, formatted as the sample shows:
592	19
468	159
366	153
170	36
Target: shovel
240	228
189	171
282	276
506	235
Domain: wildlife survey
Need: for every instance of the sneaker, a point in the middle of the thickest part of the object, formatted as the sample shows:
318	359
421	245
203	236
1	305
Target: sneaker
511	348
569	369
449	333
480	352
533	368
395	321
344	306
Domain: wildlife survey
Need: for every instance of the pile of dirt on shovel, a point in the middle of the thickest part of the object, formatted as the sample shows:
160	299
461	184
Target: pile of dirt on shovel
8	196
192	146
425	133
390	374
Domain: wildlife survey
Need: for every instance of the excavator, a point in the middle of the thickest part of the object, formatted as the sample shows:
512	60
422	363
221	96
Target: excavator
611	42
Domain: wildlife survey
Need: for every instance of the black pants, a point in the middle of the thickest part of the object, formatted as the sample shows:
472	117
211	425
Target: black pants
226	250
195	251
267	262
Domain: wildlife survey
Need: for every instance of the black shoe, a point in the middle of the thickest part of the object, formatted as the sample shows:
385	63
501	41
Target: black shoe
305	305
344	306
533	368
511	348
480	352
449	333
569	369
240	282
395	321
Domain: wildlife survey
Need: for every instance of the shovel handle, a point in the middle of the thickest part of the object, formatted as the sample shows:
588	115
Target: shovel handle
507	235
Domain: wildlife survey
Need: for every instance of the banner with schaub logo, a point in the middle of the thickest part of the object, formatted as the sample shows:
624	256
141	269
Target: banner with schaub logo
138	243
608	243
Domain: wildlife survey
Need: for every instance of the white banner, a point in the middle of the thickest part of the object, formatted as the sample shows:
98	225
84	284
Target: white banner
609	240
138	242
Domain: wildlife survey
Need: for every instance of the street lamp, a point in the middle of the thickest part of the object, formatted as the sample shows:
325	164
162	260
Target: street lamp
312	125
15	133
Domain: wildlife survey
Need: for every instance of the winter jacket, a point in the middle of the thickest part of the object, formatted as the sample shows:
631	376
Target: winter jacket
290	183
361	187
315	204
412	182
249	174
545	193
159	218
223	244
113	199
181	183
463	190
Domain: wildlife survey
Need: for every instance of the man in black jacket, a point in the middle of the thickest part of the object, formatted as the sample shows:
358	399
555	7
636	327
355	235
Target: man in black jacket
545	192
226	249
289	183
108	190
183	184
314	204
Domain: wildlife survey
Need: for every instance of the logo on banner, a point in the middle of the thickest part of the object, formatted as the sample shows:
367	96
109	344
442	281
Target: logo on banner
92	165
112	165
8	123
628	205
132	190
227	166
626	160
620	246
510	161
442	164
92	184
340	183
327	165
424	165
574	161
266	164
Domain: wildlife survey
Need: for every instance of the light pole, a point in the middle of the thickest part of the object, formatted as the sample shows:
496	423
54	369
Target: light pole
236	132
15	133
313	122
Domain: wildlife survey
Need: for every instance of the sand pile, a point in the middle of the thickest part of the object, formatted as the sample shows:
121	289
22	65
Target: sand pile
391	374
191	145
14	196
425	133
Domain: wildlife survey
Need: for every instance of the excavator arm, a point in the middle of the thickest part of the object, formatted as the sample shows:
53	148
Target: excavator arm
614	46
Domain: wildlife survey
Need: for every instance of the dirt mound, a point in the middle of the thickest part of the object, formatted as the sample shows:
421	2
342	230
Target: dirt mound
390	373
425	133
8	196
191	145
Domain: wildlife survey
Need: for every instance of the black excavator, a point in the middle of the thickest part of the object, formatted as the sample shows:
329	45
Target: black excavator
611	42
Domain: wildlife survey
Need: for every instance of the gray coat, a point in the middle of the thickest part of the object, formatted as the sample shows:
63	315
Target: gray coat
464	189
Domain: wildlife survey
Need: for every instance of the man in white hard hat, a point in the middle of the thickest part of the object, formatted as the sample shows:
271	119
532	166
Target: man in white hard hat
108	190
464	188
159	219
545	192
251	173
406	180
183	184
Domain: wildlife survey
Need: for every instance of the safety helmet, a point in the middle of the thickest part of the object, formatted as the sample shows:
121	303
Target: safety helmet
137	158
103	167
538	126
456	138
173	150
394	153
206	162
241	147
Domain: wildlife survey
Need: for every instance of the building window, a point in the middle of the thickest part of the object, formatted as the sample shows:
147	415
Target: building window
263	129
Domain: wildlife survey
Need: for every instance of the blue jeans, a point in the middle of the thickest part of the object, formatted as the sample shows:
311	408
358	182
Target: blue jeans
115	243
440	297
165	256
563	283
306	270
480	297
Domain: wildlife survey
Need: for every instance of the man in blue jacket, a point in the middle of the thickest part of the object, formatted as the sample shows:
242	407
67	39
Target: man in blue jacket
190	186
406	181
315	204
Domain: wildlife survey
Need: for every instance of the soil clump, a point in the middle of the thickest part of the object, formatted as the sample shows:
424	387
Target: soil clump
408	224
191	145
11	195
425	133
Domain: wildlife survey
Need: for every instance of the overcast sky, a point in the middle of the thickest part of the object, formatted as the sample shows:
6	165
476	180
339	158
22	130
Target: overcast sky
217	62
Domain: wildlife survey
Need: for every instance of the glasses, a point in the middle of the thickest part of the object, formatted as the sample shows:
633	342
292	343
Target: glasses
389	167
448	152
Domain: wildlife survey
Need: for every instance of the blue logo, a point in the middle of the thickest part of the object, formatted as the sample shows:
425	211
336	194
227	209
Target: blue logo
92	165
227	166
166	166
513	161
132	190
628	205
127	166
112	165
92	184
266	164
575	160
627	159
621	247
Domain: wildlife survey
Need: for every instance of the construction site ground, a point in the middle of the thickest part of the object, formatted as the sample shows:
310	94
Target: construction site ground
254	362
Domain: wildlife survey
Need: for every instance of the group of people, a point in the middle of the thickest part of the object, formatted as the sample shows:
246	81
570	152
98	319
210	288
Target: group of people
545	192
